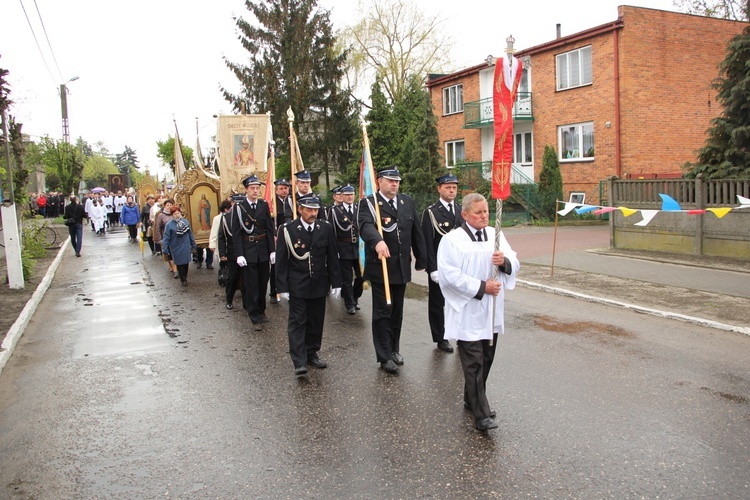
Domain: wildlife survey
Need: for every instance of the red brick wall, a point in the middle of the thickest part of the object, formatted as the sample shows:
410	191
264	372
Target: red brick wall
450	127
667	64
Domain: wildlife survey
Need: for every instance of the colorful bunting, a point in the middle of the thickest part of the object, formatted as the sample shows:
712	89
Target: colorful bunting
669	204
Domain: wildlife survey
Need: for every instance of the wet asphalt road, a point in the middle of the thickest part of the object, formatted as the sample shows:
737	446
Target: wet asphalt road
127	385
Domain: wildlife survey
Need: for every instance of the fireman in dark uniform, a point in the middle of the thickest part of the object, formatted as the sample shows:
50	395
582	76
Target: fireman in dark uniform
307	266
304	186
343	218
402	234
252	235
438	220
283	215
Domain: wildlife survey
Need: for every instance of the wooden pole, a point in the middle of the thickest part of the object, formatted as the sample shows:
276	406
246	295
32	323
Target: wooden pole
554	244
293	160
370	171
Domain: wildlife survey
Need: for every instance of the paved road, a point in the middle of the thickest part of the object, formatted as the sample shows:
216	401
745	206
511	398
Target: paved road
126	385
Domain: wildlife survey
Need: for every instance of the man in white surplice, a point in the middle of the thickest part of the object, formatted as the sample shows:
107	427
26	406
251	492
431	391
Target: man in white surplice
466	257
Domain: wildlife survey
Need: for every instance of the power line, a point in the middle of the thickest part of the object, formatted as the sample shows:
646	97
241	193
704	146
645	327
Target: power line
37	41
49	44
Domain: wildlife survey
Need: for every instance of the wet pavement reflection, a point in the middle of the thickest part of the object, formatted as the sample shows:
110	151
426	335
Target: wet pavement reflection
144	388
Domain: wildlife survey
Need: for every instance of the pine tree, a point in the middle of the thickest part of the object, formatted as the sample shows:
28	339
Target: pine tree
726	154
294	63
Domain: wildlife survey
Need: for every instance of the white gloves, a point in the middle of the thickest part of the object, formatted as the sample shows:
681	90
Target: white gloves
284	295
336	293
241	261
434	276
273	258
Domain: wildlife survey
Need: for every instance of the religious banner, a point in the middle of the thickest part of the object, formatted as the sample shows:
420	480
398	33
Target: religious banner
116	183
198	196
506	80
243	150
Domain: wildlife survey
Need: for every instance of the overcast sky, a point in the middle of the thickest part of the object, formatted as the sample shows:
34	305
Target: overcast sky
142	63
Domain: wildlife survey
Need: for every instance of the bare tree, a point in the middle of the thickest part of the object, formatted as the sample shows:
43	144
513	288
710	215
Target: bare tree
738	10
395	40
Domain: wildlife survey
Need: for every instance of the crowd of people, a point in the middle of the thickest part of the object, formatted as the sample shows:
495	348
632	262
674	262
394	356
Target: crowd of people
306	252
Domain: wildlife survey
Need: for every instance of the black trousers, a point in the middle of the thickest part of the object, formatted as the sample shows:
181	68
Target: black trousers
272	292
351	280
255	276
386	320
305	328
234	274
476	361
435	313
133	231
182	271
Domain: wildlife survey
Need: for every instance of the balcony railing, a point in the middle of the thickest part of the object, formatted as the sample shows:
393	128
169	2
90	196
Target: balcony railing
485	169
480	113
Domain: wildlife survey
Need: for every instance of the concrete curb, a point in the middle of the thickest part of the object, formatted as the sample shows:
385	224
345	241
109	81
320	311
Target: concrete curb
15	332
641	309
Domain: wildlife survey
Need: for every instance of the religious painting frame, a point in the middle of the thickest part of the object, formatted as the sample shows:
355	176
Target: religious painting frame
147	185
243	142
198	196
115	183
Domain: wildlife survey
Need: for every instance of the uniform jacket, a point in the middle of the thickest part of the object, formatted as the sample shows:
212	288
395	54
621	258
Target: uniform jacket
283	211
225	243
402	232
346	230
306	264
247	222
436	222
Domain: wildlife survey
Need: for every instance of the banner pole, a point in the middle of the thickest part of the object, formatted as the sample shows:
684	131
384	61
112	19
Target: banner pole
554	244
293	160
370	170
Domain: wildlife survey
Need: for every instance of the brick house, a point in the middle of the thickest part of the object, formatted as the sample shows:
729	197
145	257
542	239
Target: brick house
630	98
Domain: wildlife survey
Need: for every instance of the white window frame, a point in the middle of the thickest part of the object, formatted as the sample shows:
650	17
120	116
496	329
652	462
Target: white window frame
525	148
453	99
574	69
451	159
575	135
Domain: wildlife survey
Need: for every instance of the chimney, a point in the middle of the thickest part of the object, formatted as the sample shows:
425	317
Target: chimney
559	30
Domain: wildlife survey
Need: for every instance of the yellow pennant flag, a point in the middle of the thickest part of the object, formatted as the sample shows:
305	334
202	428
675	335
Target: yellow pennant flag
627	212
719	212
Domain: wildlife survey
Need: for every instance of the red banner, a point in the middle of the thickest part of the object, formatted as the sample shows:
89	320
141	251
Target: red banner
507	78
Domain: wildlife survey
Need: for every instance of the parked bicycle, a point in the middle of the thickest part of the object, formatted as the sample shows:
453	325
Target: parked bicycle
38	230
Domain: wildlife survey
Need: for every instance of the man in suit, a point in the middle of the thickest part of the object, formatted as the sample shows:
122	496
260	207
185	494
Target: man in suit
437	221
252	236
402	234
283	215
307	266
344	222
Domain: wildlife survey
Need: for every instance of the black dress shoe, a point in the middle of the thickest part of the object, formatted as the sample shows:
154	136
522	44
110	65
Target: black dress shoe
351	310
493	413
209	267
444	345
300	370
273	299
389	366
317	363
397	358
356	306
230	306
200	264
485	424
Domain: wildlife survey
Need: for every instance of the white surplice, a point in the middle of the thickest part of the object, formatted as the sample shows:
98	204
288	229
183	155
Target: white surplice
462	265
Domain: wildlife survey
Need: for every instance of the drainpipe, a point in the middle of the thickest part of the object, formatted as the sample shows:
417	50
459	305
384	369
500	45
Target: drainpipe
618	160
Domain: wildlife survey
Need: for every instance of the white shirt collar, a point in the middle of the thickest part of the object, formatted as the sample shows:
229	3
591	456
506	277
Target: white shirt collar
306	225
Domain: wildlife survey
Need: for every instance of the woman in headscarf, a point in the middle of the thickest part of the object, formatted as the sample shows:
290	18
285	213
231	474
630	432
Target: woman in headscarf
179	243
160	223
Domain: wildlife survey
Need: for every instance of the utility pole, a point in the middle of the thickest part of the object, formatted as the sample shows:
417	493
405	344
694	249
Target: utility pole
11	235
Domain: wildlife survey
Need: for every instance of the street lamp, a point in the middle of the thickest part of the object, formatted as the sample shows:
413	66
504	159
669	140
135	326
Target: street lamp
64	103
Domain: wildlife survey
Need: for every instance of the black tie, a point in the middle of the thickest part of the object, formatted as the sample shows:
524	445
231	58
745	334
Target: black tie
349	211
393	204
309	229
252	206
479	236
450	208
